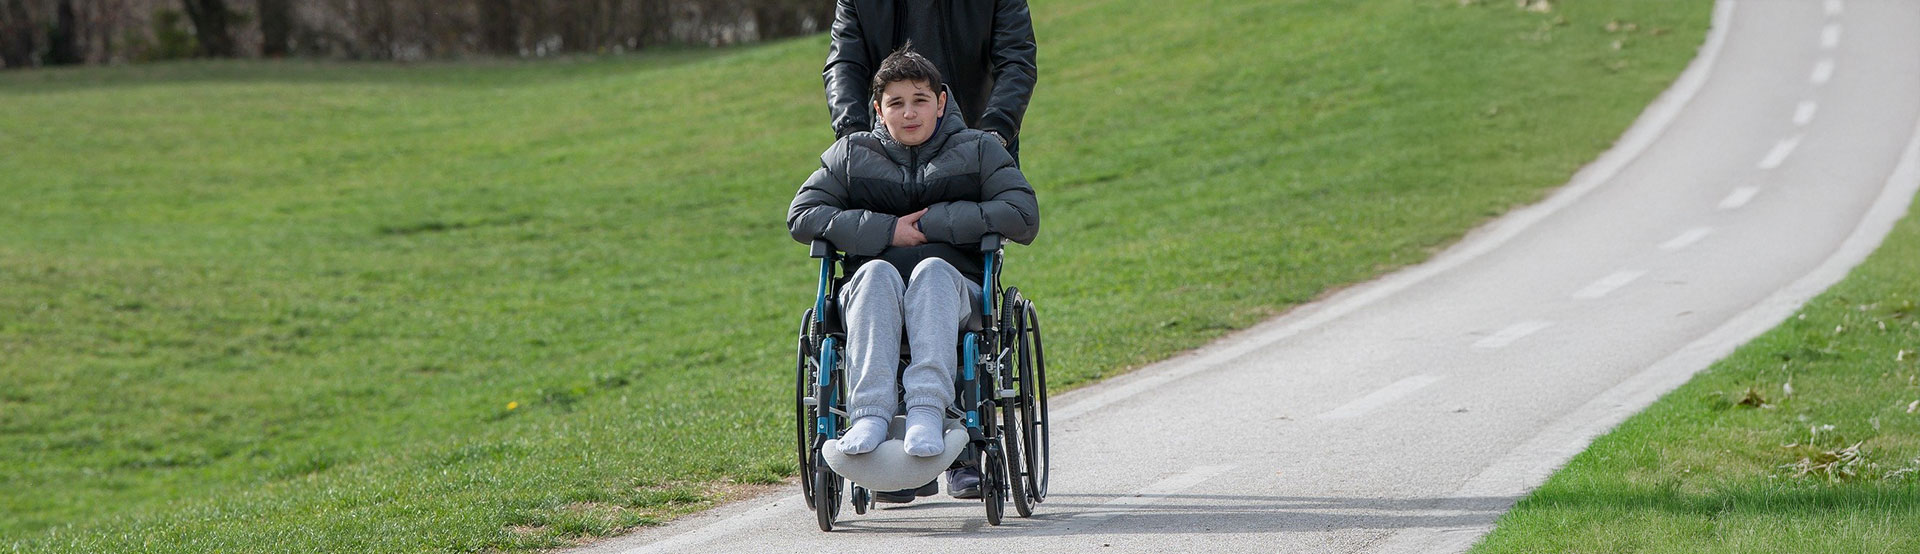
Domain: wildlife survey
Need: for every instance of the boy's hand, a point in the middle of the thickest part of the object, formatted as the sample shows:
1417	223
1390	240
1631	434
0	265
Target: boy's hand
906	230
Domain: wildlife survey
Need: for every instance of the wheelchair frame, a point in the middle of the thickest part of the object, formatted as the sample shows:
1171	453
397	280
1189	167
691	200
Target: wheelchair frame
1001	395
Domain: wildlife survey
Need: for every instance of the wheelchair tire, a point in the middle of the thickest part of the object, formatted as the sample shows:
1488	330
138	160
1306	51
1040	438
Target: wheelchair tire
1012	413
993	483
861	499
826	495
802	414
1036	446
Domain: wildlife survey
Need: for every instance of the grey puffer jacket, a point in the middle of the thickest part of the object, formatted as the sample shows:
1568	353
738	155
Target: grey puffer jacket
964	178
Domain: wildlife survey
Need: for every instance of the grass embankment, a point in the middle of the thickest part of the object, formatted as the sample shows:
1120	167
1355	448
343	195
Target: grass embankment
1805	440
350	307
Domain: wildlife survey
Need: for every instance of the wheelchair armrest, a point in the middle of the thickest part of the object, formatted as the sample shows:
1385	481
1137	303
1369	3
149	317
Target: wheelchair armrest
821	249
990	242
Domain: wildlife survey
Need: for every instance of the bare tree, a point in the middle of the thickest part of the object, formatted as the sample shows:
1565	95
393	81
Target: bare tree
499	28
209	19
17	32
276	27
35	32
63	40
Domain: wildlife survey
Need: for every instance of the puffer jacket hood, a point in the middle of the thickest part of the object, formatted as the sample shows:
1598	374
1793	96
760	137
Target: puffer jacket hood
950	123
964	179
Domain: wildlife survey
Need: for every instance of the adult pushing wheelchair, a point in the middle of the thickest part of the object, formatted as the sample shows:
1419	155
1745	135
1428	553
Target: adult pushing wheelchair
999	412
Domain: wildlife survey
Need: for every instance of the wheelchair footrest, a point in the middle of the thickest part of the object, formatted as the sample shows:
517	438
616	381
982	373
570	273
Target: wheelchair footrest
888	467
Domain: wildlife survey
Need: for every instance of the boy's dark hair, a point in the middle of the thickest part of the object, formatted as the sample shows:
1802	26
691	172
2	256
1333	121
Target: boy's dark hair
905	65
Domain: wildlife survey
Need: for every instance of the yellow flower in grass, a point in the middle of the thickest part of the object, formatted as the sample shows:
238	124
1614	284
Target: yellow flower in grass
512	405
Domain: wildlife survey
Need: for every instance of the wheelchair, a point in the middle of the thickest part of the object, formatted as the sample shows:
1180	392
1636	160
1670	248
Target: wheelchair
1001	396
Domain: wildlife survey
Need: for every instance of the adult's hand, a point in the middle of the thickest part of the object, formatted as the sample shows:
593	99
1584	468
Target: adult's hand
906	230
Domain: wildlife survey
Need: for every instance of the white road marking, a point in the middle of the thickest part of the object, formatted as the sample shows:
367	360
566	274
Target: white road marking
1830	36
1833	7
1511	333
1822	71
1380	397
1739	198
1532	462
1170	485
1155	492
1779	153
1652	124
1609	284
1803	114
1686	239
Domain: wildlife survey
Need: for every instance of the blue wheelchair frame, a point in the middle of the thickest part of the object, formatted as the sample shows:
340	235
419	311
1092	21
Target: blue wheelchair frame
988	385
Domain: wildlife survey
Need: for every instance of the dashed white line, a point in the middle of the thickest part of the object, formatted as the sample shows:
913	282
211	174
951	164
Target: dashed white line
1608	284
1779	153
1833	7
1830	36
1512	333
1822	71
1155	492
1686	239
1380	397
1803	114
1172	484
1739	197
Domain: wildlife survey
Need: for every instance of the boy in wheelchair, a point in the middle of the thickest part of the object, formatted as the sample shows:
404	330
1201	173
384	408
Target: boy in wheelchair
909	202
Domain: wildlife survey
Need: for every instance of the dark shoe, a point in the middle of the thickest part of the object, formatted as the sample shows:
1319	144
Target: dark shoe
904	496
963	482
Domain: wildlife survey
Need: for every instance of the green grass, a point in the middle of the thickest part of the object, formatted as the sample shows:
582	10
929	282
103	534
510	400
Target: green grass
1805	440
287	306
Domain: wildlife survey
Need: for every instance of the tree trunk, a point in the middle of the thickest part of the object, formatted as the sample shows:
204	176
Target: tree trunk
276	25
210	27
63	46
499	27
16	35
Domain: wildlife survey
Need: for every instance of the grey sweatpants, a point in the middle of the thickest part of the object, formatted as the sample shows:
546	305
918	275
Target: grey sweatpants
932	306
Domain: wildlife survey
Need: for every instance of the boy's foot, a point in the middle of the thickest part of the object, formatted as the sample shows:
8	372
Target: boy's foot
925	428
963	482
865	434
907	495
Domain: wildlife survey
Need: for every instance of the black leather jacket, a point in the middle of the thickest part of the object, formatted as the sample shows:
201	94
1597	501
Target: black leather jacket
990	68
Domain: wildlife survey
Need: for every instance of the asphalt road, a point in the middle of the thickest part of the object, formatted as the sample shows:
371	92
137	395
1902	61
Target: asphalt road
1406	414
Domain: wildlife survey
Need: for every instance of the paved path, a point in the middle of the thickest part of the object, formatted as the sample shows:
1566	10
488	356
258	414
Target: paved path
1406	414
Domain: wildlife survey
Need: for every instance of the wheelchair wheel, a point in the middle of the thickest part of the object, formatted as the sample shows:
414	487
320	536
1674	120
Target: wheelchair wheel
803	415
1036	446
826	495
861	498
993	483
1012	428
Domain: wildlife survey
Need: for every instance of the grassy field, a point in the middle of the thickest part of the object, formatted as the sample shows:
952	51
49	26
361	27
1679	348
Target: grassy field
1805	440
503	306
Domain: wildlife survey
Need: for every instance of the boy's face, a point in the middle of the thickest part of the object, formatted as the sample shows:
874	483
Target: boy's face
910	109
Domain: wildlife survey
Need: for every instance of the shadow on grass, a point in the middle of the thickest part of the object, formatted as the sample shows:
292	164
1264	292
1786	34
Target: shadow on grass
1083	514
1793	498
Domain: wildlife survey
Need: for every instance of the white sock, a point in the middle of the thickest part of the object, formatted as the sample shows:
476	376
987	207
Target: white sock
865	434
926	426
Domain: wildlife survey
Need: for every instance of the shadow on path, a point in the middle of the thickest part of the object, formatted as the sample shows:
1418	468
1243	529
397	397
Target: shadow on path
1089	514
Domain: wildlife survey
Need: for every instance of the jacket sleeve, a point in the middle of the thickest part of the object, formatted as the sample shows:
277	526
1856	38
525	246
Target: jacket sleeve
1008	206
1014	69
848	73
819	211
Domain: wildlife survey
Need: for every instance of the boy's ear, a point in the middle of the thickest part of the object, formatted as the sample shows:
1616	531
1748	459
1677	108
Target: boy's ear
943	105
